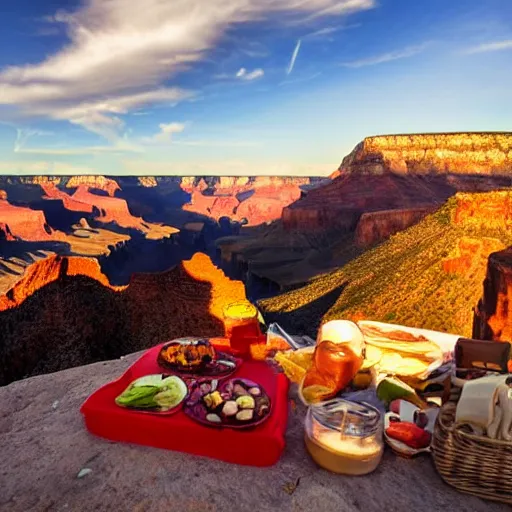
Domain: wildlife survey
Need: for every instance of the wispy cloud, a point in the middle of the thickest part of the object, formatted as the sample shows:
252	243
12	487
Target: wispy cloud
119	57
328	31
24	134
386	57
491	47
293	58
243	74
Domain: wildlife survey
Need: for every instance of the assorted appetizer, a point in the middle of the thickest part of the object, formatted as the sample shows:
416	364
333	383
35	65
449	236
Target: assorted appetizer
234	403
154	393
196	356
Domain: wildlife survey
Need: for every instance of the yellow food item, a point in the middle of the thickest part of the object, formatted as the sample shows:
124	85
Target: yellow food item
240	311
372	357
213	400
316	393
292	370
403	365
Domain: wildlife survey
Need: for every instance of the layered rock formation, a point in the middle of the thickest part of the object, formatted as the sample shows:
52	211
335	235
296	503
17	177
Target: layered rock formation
20	223
66	313
257	199
493	315
444	153
410	173
374	227
96	182
108	209
492	211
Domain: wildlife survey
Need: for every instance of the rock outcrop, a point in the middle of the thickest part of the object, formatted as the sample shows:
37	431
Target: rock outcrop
147	181
65	313
258	199
374	227
470	254
95	182
20	223
443	153
493	315
107	209
410	173
492	211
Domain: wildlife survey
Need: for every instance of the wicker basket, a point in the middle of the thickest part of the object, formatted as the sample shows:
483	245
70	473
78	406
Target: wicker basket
472	464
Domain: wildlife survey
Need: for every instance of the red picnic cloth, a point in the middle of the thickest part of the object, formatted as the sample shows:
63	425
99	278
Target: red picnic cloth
261	446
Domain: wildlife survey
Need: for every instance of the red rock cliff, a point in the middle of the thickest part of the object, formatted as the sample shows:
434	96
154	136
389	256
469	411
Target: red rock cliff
404	172
258	199
20	223
458	153
493	315
376	226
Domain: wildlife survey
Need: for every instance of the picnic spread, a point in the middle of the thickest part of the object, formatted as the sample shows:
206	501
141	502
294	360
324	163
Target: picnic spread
367	385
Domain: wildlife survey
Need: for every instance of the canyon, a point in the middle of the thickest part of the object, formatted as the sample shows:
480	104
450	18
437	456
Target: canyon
398	173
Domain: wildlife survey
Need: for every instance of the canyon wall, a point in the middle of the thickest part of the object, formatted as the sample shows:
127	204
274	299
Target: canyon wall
20	223
492	211
66	313
445	153
493	315
376	226
96	182
410	173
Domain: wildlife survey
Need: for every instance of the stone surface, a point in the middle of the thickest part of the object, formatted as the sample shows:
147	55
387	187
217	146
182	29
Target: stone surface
45	446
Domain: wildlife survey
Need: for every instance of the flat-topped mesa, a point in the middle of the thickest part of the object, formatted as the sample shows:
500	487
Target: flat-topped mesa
21	223
444	153
404	172
493	315
94	182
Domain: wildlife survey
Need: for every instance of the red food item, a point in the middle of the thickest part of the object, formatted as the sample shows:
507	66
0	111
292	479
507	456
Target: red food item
409	434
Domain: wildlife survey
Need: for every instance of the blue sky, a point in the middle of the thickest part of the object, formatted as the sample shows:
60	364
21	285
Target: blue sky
239	87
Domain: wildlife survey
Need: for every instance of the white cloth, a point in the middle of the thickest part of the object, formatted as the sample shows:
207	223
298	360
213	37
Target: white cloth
477	401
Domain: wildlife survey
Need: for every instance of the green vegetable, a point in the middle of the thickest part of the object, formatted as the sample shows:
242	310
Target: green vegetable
391	388
153	392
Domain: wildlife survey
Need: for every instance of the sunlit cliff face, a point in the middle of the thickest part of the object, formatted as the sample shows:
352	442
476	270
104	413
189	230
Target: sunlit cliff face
460	153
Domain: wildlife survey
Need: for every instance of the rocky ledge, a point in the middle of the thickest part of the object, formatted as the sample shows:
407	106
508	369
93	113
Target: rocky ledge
44	439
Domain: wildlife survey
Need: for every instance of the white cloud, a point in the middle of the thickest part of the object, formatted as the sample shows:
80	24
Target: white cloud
43	167
167	130
119	55
386	57
294	56
491	47
253	75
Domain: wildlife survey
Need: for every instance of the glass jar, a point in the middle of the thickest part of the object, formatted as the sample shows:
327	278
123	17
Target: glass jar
344	437
241	324
339	355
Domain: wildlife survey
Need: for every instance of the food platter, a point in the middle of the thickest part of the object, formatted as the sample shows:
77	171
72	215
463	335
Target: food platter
195	357
234	403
